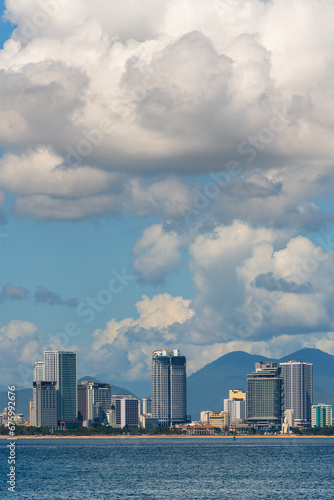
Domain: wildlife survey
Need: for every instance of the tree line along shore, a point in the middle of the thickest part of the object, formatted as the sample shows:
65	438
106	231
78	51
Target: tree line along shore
97	429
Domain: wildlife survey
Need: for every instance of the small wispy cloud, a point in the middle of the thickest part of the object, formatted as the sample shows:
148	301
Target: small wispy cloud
43	295
13	292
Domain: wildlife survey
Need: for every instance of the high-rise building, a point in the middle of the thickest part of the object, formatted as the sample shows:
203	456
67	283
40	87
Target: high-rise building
236	408
98	396
169	392
298	390
265	395
127	410
39	371
82	402
45	404
322	415
61	367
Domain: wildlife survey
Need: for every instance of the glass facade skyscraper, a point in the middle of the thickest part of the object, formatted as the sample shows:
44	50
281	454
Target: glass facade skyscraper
265	395
298	389
169	387
61	367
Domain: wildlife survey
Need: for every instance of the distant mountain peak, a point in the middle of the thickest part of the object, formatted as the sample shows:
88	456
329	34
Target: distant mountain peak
88	378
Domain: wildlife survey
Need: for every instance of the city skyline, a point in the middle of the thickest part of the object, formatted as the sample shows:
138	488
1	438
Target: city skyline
277	397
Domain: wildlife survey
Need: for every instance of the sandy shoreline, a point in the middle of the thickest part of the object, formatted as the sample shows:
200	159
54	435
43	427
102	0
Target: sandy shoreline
167	437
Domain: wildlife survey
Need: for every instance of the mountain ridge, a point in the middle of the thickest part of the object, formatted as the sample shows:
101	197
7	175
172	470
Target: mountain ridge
230	372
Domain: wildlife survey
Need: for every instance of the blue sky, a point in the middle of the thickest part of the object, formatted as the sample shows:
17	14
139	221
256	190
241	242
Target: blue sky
6	27
165	181
75	260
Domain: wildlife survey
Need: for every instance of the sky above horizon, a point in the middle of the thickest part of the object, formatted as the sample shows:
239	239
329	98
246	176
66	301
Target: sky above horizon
166	181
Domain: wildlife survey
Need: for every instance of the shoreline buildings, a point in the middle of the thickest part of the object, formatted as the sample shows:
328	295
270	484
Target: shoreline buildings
275	394
298	390
94	400
55	389
265	396
169	387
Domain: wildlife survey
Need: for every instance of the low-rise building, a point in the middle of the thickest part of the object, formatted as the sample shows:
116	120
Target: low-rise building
195	429
147	421
220	419
322	415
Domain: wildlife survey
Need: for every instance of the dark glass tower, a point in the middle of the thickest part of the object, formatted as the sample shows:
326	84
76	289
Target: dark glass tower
265	396
169	387
61	367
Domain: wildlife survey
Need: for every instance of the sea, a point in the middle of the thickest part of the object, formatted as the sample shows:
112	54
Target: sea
162	468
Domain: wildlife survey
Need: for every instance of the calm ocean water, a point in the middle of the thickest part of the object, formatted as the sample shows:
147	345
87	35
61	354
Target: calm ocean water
97	469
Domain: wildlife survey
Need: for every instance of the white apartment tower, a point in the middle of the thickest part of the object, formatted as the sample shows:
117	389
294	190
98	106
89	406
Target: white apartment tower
298	390
236	408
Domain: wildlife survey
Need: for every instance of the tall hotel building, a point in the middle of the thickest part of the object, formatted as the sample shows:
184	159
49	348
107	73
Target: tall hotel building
298	390
169	382
94	398
61	367
265	395
45	404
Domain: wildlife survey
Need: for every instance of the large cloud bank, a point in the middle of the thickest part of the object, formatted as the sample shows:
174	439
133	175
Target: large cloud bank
94	93
107	107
